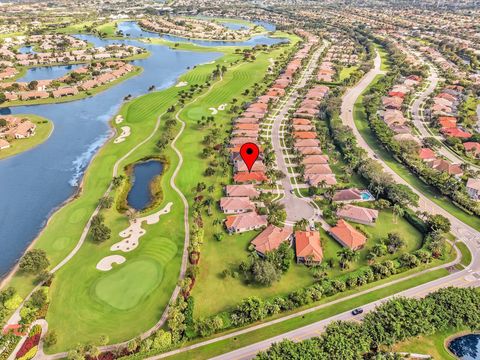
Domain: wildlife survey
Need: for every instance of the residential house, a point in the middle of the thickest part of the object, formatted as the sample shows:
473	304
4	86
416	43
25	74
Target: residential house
271	238
473	188
245	222
308	247
348	236
358	214
236	204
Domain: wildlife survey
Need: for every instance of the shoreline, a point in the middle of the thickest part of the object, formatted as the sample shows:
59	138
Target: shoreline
449	339
81	96
35	117
5	278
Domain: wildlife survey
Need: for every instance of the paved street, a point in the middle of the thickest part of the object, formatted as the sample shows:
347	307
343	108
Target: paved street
297	208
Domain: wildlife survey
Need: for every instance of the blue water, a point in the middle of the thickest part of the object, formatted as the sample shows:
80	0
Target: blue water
34	183
366	195
466	347
140	196
132	28
26	50
234	26
47	72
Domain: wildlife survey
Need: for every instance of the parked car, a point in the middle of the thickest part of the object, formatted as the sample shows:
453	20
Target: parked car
357	311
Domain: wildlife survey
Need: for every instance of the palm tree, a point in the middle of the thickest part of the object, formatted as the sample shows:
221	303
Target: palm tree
397	212
347	255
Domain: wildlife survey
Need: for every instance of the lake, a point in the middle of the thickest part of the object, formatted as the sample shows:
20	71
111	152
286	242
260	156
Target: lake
466	347
143	173
47	72
34	183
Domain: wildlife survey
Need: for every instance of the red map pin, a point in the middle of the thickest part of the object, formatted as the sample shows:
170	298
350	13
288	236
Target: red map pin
249	153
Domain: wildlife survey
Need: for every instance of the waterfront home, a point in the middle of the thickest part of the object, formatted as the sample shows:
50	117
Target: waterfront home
4	144
308	247
66	91
242	190
473	188
245	222
358	214
348	236
271	238
236	205
31	95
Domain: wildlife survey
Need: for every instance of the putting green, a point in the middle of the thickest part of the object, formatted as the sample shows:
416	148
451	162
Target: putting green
125	287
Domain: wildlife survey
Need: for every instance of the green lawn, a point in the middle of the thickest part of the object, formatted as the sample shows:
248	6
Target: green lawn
466	254
227	345
42	133
433	345
136	292
346	72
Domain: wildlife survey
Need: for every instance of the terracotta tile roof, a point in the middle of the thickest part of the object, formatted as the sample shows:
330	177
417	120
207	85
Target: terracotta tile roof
348	235
271	238
316	179
315	159
304	134
473	184
242	190
307	244
300	121
307	142
254	176
245	222
358	213
236	204
323	169
347	195
426	154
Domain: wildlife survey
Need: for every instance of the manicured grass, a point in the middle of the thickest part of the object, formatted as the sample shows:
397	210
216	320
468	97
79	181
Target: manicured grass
433	345
466	254
227	345
42	132
346	72
103	300
81	95
361	124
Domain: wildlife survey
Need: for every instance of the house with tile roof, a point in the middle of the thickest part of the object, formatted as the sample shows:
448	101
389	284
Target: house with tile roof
271	238
308	247
236	204
245	222
473	188
242	190
358	214
348	236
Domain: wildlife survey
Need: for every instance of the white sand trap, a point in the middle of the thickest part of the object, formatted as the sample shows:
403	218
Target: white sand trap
106	263
134	232
222	107
213	110
119	119
125	133
181	84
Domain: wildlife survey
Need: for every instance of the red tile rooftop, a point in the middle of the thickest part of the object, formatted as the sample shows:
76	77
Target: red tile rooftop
254	176
271	238
242	190
347	235
315	159
308	246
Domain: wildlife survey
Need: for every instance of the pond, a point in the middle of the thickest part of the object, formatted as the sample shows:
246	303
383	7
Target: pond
140	195
466	347
134	31
34	183
47	72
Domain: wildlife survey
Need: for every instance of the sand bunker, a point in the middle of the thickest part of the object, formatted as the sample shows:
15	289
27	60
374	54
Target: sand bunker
106	263
222	107
125	133
118	119
181	84
216	110
134	232
213	110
